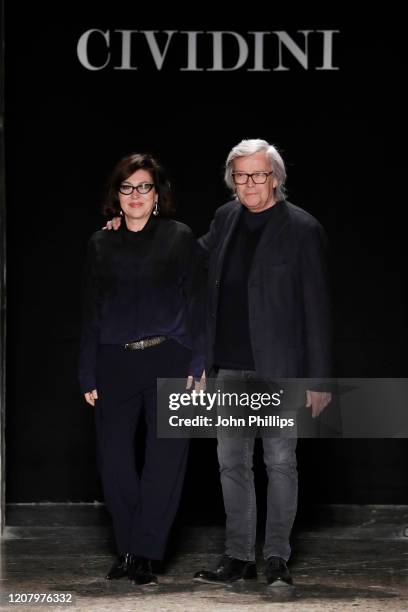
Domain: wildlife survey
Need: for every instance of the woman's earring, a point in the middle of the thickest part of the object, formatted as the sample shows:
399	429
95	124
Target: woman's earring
121	213
156	209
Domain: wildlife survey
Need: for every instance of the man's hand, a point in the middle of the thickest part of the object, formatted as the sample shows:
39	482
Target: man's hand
91	396
113	224
318	400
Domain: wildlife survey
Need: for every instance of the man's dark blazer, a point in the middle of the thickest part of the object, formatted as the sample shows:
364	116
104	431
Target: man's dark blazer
289	310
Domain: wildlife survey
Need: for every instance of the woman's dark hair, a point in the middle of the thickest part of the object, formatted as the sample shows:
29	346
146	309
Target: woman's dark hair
125	168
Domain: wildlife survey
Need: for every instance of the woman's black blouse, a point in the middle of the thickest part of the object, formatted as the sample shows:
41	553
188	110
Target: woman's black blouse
138	285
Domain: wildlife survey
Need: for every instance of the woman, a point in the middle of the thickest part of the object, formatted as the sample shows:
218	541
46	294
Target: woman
140	301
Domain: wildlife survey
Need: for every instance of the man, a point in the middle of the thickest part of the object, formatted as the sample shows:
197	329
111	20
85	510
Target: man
268	316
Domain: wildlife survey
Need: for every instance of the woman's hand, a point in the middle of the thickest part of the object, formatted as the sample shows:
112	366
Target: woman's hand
199	385
91	396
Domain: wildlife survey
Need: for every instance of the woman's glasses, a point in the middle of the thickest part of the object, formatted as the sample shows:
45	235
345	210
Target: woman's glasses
143	188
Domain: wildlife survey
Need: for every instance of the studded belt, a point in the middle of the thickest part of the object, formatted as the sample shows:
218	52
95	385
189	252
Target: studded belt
144	343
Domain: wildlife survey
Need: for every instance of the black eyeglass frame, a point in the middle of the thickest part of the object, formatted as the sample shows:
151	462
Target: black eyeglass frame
248	176
128	186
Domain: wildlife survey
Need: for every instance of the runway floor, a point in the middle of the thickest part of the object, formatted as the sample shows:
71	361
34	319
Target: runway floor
345	558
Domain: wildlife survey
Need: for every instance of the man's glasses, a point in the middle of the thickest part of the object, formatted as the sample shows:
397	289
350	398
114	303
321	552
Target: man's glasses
240	178
143	188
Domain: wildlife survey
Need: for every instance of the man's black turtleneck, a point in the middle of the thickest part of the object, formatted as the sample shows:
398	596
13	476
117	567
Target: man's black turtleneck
233	348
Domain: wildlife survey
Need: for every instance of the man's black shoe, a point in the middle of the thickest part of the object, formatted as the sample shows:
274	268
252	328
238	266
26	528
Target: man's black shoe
121	567
228	570
142	573
277	573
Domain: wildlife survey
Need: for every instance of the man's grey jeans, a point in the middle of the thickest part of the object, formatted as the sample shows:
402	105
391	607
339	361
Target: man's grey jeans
235	456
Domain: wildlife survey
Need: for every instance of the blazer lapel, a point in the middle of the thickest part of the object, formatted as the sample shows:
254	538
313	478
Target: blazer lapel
230	225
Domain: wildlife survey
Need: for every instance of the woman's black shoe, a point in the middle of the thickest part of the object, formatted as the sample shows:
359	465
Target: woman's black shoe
142	573
121	567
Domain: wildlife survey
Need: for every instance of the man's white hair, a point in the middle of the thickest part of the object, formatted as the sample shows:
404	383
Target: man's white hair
256	145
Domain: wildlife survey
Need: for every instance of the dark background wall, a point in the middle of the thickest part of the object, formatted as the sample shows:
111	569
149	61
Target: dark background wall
339	132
